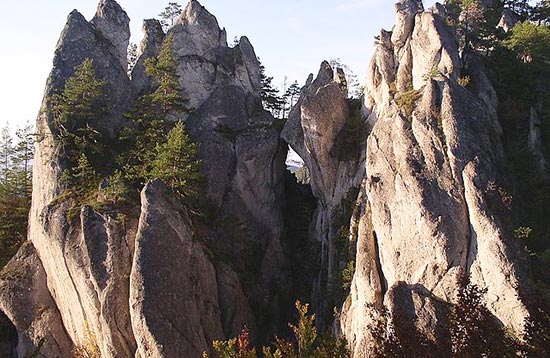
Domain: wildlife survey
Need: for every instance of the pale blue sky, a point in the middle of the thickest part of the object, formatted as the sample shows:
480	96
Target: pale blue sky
291	37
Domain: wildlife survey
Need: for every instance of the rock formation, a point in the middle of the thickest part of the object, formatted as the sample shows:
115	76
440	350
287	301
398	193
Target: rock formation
149	286
314	130
410	186
434	200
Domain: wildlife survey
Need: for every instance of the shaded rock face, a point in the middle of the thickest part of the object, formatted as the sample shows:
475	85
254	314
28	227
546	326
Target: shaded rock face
28	304
153	36
172	278
147	286
431	209
535	142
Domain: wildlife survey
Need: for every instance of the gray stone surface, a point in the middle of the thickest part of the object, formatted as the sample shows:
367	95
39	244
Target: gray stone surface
114	24
432	205
313	130
27	303
173	291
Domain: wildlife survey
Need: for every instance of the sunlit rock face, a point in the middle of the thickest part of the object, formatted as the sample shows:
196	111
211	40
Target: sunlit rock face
431	207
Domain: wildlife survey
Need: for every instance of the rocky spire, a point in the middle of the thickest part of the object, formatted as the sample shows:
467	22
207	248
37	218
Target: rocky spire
201	26
444	155
114	24
153	35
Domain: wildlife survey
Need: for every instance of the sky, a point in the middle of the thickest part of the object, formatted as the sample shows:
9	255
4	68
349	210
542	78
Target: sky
291	37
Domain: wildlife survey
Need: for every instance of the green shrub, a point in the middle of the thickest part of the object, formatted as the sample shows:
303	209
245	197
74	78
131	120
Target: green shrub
523	232
306	343
347	275
406	101
432	73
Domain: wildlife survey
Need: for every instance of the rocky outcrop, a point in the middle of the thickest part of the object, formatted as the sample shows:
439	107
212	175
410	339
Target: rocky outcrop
207	61
82	265
411	186
434	202
241	153
315	129
130	285
173	295
27	303
113	24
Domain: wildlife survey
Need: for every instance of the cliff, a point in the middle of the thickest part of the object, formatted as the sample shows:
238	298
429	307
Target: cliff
149	285
409	194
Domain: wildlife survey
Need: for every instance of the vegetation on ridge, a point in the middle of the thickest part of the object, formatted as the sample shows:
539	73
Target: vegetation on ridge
152	146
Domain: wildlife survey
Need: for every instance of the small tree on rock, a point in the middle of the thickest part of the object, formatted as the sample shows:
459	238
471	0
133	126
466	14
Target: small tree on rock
170	14
132	57
271	99
74	111
177	165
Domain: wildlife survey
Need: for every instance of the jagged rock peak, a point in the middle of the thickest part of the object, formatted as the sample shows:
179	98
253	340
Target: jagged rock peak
152	33
114	24
325	75
153	36
197	19
405	12
252	62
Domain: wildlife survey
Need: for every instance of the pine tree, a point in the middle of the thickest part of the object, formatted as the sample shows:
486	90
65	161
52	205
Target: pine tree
521	7
15	190
75	109
541	13
291	97
148	116
163	71
271	99
530	42
132	57
6	150
474	331
23	156
355	89
169	16
177	165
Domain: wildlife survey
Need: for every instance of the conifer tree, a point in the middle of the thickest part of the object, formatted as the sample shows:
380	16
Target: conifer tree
81	102
176	163
474	331
271	99
149	115
6	150
291	97
132	57
15	190
169	15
